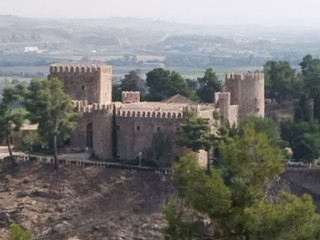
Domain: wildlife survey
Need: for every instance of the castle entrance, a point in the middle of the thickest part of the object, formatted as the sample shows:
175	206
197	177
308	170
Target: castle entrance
89	135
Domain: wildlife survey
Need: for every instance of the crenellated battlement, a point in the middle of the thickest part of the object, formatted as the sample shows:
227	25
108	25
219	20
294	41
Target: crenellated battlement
222	95
151	114
245	76
83	106
79	68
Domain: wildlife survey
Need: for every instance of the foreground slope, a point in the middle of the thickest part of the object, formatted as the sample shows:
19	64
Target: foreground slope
83	203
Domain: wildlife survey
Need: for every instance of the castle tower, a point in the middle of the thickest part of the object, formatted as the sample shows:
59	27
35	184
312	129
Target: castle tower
223	103
247	91
91	82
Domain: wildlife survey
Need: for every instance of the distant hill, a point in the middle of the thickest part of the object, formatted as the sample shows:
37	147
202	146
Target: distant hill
181	45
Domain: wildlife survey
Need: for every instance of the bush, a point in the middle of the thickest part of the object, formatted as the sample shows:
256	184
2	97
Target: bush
18	233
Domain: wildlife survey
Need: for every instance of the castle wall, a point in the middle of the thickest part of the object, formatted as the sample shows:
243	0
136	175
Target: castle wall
234	115
78	138
137	134
94	129
85	82
102	134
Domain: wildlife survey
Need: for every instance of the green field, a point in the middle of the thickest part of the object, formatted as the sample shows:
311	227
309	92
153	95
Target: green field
119	72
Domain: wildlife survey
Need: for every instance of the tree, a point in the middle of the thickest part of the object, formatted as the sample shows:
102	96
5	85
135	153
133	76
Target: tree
133	82
303	110
18	233
157	83
266	125
310	68
164	84
290	218
52	109
208	85
196	135
236	208
281	81
303	138
11	117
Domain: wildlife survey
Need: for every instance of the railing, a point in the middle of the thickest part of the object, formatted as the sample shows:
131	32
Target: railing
87	163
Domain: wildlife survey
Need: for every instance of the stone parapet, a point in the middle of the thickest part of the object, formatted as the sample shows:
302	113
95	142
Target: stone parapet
79	68
150	114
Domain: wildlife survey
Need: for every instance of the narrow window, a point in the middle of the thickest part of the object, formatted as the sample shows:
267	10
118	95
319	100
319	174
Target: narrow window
138	128
158	128
82	87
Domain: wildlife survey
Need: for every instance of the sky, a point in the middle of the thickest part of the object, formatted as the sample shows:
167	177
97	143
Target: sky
210	12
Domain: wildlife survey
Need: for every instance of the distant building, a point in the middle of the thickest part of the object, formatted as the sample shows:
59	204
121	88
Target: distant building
125	130
31	49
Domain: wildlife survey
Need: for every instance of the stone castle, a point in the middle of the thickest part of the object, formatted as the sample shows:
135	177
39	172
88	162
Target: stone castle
131	128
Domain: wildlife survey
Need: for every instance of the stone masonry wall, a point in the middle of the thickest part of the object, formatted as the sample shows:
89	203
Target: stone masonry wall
247	91
130	96
85	82
136	134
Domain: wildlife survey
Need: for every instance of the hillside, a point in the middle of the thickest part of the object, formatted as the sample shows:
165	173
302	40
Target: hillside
181	45
98	203
87	203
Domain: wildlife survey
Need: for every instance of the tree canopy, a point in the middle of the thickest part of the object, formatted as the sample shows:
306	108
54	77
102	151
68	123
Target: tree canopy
282	82
235	206
12	115
131	82
52	109
164	84
208	85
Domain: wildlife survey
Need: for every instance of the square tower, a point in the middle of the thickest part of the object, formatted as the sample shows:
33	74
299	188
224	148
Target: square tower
91	82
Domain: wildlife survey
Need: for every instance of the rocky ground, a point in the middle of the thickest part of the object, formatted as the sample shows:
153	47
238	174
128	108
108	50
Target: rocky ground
91	203
83	203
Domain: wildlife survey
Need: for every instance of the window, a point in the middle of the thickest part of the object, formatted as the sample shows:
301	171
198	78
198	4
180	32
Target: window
158	128
178	129
138	128
82	87
177	159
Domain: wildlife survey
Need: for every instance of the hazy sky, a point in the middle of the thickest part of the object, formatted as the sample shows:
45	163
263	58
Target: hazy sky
210	12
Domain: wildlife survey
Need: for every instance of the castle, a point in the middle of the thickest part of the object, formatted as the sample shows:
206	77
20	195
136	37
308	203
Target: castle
128	129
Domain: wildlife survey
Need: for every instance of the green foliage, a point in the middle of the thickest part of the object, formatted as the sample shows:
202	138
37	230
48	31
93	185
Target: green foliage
209	84
266	125
195	133
282	82
18	233
178	228
11	117
310	68
235	207
164	84
254	163
52	109
131	82
34	143
303	110
216	115
303	138
290	218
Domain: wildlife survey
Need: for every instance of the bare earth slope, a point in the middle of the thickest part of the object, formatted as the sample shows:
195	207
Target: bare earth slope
303	180
83	203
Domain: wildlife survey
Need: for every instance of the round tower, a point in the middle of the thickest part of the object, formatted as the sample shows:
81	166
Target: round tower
247	91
